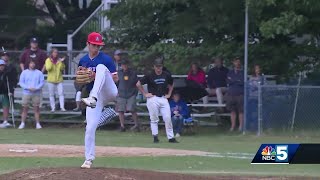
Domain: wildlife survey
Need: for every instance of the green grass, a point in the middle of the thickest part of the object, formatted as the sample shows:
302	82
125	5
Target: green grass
205	140
208	139
190	164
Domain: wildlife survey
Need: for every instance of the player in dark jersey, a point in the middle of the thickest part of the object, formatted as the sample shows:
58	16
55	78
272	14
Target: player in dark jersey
102	90
158	94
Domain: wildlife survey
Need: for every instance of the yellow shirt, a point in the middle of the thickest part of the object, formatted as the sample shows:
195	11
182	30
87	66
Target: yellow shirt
54	71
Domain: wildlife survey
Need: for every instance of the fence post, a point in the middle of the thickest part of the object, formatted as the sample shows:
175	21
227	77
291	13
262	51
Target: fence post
259	110
69	49
296	102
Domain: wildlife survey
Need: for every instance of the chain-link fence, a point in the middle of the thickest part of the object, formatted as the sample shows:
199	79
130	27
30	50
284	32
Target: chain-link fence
284	108
71	62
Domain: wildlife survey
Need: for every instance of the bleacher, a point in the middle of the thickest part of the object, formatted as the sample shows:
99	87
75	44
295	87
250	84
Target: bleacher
71	116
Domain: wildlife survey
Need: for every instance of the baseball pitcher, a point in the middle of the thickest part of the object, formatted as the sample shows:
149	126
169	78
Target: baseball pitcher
98	72
158	83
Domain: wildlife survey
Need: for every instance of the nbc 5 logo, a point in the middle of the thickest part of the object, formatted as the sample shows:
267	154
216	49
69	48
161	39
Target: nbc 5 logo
282	153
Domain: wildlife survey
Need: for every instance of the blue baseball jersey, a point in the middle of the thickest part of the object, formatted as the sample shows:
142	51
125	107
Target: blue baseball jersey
91	64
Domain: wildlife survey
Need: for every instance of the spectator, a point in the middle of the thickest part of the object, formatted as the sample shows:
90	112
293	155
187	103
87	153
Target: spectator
197	75
10	69
197	79
217	80
126	100
78	96
12	72
5	80
55	66
31	81
235	93
35	54
179	112
117	59
255	80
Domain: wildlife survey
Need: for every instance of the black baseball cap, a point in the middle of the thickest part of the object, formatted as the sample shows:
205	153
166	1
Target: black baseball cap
34	40
158	61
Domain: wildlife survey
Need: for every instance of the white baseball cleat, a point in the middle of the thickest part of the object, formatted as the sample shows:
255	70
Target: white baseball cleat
87	164
5	124
38	126
90	101
22	125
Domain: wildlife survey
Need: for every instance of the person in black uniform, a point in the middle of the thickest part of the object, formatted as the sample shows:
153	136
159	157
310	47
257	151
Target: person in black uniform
160	86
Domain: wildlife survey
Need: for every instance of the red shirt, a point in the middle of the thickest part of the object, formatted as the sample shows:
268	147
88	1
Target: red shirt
39	57
199	78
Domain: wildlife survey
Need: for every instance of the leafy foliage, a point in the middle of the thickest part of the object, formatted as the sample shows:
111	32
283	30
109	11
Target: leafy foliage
19	21
283	34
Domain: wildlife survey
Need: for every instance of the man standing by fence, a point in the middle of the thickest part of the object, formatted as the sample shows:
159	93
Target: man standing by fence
34	53
11	72
235	94
10	69
5	85
126	100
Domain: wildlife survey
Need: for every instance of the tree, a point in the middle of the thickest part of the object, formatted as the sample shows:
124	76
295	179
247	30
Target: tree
67	15
201	29
20	20
17	18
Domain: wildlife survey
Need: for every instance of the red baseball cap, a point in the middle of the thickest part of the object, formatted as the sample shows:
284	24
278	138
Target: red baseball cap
95	38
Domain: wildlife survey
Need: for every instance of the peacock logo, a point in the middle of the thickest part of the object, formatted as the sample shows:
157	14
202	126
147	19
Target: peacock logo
268	151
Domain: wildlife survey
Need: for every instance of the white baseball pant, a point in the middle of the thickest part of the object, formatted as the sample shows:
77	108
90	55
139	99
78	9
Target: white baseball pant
160	104
105	90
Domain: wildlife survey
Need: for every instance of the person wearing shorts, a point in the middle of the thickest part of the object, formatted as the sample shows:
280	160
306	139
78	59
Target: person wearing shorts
31	81
235	94
4	98
10	71
5	80
126	100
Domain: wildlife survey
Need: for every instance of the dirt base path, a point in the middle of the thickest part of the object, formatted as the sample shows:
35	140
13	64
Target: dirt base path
33	150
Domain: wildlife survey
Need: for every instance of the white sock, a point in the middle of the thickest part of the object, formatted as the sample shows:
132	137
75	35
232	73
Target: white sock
5	121
22	123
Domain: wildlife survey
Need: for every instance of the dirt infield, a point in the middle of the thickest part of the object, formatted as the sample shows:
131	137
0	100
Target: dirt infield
113	174
33	150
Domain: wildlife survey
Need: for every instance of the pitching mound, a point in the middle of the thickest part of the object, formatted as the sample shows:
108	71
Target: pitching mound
110	174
